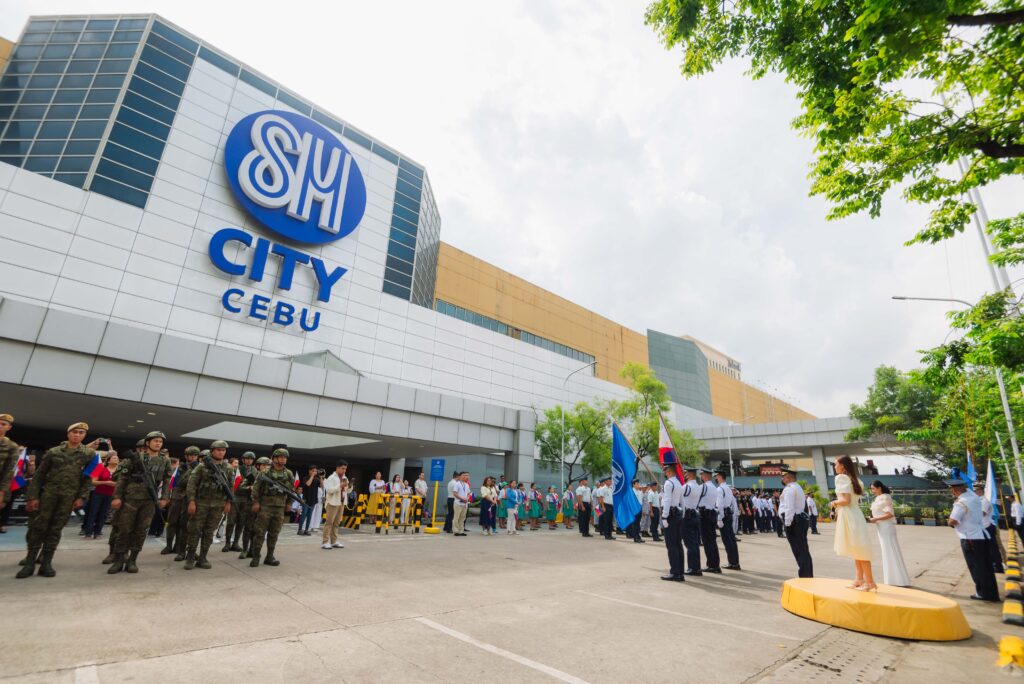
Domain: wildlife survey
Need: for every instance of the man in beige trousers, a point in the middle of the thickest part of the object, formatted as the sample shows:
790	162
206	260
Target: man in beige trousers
335	491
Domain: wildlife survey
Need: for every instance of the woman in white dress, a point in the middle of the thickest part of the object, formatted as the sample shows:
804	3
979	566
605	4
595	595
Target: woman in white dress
894	570
852	539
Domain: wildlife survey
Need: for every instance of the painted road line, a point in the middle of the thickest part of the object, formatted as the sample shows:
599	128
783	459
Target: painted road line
692	617
540	667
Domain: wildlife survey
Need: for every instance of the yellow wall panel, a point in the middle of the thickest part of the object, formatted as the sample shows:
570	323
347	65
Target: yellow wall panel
6	47
735	400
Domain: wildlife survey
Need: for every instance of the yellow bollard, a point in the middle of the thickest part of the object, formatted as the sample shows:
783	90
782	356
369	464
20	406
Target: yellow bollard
1012	612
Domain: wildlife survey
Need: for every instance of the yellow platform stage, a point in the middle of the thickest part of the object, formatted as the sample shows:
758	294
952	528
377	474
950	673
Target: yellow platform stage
891	612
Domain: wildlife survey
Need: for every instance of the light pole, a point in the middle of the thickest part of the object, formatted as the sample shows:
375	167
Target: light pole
561	411
728	441
999	380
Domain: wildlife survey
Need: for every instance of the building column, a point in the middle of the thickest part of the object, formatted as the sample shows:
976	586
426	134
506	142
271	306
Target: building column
520	461
396	467
820	467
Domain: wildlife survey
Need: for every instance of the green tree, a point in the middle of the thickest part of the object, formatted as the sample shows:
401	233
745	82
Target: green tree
893	93
588	442
992	336
896	402
637	415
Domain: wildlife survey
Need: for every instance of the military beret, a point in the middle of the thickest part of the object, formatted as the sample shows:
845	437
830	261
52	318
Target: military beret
248	454
281	452
263	460
78	426
156	434
219	444
7	417
191	450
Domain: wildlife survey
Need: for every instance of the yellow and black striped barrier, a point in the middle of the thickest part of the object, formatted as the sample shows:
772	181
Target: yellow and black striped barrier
355	519
1013	599
417	514
381	518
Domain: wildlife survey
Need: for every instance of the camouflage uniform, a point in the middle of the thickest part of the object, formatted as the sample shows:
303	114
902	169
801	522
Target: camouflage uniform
271	513
209	499
137	504
177	518
59	481
241	516
8	458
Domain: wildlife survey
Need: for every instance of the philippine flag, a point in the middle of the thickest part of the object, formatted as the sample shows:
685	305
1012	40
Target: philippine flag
174	479
667	452
298	482
19	481
93	465
238	480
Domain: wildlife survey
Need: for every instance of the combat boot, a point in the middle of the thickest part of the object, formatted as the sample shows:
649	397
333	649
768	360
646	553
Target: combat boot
110	558
201	562
131	566
254	563
190	559
169	548
270	560
117	565
30	564
245	554
46	566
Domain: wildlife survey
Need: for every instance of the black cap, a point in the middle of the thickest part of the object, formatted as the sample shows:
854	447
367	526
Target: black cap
690	468
954	483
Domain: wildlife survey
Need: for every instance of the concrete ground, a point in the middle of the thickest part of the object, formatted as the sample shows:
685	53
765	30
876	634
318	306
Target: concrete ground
542	606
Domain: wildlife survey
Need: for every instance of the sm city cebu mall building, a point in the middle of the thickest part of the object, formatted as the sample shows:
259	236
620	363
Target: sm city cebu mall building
188	245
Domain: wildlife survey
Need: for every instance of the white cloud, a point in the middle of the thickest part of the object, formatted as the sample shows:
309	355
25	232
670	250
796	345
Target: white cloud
564	146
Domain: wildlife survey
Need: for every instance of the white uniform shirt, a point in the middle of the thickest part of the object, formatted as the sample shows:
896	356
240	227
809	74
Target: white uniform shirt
451	488
421	487
694	494
653	498
791	503
986	511
334	488
583	494
671	496
605	495
967	512
724	501
812	508
1017	512
639	497
378	486
462	489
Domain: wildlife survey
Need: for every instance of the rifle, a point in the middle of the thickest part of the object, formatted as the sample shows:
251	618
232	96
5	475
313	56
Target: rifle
220	478
281	489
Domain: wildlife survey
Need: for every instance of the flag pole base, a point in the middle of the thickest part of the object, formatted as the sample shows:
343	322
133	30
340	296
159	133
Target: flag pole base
432	530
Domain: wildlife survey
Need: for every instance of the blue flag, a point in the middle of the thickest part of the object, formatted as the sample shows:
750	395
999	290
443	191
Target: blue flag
971	475
991	493
623	470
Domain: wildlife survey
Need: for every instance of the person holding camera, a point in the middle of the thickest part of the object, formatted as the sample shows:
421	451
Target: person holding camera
311	494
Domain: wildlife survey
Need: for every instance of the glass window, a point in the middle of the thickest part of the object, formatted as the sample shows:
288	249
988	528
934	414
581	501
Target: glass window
47	66
72	81
143	123
14	81
37	97
169	65
402	212
409	190
396	277
294	102
117	191
83	147
83	66
22	67
170	34
399	265
126	157
407	240
76	179
97	111
63	111
18	147
71	25
127	36
75	164
152	92
411	168
44	25
27	52
98	95
44	147
69	95
148	107
57	52
410	204
133	140
9	97
358	138
158	77
17	130
89	51
124	175
108	81
85	130
410	178
119	50
218	61
115	66
170	49
96	36
65	37
55	130
401	251
328	121
132	23
35	38
403	225
29	112
101	24
385	153
397	290
43	81
13	161
258	83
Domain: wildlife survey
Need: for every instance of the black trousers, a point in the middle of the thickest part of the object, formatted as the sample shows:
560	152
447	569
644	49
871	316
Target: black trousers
633	530
691	540
813	520
584	518
607	521
976	555
732	549
709	537
994	557
777	525
796	534
674	544
449	516
655	528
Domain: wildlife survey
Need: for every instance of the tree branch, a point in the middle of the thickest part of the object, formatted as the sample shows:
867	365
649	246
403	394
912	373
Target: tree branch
987	19
997	151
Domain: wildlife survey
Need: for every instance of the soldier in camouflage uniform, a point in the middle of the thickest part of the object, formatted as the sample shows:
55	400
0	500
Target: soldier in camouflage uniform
178	517
136	502
8	457
268	505
207	501
116	516
59	486
240	520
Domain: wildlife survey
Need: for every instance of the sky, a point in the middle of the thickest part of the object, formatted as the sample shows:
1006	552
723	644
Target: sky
564	146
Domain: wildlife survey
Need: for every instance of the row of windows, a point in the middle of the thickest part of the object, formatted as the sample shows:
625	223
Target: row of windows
78	25
63	66
499	327
404	227
80	50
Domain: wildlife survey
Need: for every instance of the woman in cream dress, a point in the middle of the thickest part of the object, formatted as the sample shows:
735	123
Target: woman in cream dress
894	570
852	539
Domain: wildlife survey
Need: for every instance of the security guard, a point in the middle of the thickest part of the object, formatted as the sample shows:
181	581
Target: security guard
268	504
727	507
671	523
968	521
178	516
692	494
136	501
239	527
59	486
708	509
207	501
